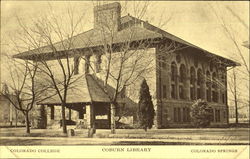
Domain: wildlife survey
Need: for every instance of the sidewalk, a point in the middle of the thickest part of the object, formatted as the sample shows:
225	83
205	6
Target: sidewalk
112	140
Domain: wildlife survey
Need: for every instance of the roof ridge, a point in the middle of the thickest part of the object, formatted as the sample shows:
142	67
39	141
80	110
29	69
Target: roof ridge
91	98
93	78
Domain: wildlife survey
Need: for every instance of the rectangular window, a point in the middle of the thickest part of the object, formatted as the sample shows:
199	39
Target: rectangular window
184	110
175	115
225	114
164	94
179	114
198	93
223	98
215	98
173	91
211	111
208	96
188	114
181	92
192	93
217	115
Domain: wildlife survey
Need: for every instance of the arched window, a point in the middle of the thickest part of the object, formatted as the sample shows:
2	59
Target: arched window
173	80
123	92
162	62
87	63
182	81
199	80
214	88
76	65
208	86
192	83
98	63
164	65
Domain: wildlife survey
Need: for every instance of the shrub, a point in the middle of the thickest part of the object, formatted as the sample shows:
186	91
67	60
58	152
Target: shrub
201	114
146	108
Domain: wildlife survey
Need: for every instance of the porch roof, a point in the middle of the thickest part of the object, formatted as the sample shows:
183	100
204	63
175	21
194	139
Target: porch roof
83	89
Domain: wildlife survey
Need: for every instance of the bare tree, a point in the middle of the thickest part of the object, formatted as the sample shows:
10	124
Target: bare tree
125	56
234	90
242	72
56	68
23	90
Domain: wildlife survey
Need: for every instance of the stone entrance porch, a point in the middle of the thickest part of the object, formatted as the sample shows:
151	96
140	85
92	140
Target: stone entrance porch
79	115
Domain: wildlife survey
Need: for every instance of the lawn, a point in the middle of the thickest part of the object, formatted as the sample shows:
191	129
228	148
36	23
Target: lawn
227	136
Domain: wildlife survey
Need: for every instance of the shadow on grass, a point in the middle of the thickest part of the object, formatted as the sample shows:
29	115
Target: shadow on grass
34	134
8	126
20	142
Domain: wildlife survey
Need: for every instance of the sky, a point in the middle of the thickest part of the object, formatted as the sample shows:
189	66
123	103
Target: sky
192	21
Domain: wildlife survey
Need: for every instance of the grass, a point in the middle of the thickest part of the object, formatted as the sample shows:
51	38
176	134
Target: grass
186	134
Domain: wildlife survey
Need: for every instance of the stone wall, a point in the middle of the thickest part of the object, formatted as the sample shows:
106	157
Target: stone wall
185	76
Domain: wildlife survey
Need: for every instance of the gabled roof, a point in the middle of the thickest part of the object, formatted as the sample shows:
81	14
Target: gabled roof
83	89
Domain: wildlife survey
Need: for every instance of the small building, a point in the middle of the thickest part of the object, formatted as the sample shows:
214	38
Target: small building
9	115
178	76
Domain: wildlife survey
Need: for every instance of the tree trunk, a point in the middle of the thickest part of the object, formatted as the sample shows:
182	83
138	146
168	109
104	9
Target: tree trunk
27	122
16	117
236	110
64	119
11	114
112	114
109	117
235	98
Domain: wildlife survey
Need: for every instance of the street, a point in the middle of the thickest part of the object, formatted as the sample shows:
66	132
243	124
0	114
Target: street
211	136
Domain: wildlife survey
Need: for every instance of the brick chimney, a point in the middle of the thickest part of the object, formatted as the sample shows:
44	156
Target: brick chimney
107	16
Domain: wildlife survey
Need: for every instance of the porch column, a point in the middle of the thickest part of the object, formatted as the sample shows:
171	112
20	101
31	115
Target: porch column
109	118
90	119
52	111
69	113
